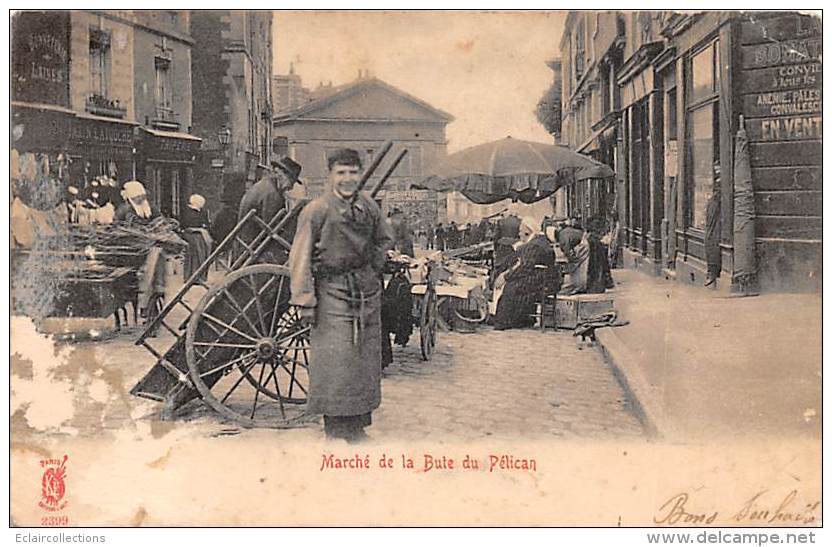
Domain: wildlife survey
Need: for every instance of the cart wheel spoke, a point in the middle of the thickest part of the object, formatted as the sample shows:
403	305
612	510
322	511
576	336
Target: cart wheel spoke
277	390
293	380
218	368
240	310
292	336
294	361
257	391
225	345
252	283
237	383
275	313
222	323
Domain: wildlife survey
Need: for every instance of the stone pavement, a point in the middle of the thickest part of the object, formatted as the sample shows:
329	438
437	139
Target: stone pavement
486	385
502	384
703	366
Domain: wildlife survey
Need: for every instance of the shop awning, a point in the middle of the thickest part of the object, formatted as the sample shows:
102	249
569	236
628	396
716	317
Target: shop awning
168	146
172	134
38	127
42	106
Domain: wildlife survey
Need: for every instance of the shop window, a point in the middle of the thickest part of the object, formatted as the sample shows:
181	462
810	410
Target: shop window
702	132
703	74
704	149
100	61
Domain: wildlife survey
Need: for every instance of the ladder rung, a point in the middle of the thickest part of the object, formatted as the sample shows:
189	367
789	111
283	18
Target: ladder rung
168	327
151	349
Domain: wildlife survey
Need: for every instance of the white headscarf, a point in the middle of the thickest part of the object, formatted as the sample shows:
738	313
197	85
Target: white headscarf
196	202
135	193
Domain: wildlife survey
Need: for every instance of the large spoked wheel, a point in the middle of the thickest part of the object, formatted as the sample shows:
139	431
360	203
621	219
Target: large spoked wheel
427	324
247	352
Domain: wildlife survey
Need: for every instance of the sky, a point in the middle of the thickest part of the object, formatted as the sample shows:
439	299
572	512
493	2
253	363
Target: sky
487	69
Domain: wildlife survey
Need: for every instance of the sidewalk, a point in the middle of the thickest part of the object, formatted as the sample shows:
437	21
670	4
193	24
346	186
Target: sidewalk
703	366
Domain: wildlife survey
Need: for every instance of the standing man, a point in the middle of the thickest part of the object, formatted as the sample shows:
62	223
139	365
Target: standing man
268	196
336	261
508	233
402	233
440	237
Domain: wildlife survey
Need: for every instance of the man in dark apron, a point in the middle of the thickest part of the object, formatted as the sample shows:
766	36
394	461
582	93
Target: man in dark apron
337	256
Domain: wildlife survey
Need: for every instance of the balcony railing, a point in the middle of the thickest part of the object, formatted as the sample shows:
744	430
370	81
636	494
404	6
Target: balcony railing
102	106
165	118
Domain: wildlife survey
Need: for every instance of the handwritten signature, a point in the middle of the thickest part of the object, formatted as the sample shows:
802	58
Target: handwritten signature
759	509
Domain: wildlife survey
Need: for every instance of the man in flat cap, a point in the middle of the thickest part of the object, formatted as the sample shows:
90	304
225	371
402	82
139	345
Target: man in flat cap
268	196
337	255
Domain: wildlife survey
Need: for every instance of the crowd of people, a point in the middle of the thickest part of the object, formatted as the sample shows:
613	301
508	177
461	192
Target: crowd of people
339	249
530	258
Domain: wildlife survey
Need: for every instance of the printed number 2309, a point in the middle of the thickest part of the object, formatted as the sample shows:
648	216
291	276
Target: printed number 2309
55	520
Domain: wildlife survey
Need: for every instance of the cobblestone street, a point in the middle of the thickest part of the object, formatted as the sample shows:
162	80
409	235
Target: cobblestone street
503	384
489	384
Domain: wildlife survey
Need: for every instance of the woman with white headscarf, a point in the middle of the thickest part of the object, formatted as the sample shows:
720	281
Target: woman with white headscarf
530	270
195	224
136	206
151	276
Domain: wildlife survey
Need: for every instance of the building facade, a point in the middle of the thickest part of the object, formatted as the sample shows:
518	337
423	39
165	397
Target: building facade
684	84
231	80
592	48
41	110
364	115
106	93
166	152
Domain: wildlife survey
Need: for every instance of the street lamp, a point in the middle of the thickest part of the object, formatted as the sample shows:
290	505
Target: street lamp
224	137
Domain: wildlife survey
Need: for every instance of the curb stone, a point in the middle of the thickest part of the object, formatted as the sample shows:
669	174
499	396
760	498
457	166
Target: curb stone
624	366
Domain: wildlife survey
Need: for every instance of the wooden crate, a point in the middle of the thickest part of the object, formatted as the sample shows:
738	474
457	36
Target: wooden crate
572	309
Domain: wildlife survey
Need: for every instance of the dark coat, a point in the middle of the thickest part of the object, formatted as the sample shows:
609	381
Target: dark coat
335	266
126	213
403	235
531	272
508	231
568	238
191	218
265	198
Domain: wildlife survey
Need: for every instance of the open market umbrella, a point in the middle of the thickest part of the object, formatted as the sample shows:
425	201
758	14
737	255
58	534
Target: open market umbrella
510	168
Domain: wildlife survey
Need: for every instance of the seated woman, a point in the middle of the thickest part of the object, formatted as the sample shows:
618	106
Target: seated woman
522	276
574	243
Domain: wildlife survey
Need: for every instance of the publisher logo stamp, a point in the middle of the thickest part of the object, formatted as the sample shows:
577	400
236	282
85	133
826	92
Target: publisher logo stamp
53	484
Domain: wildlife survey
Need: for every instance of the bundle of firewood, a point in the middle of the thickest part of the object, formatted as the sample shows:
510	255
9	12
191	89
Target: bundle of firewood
129	238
